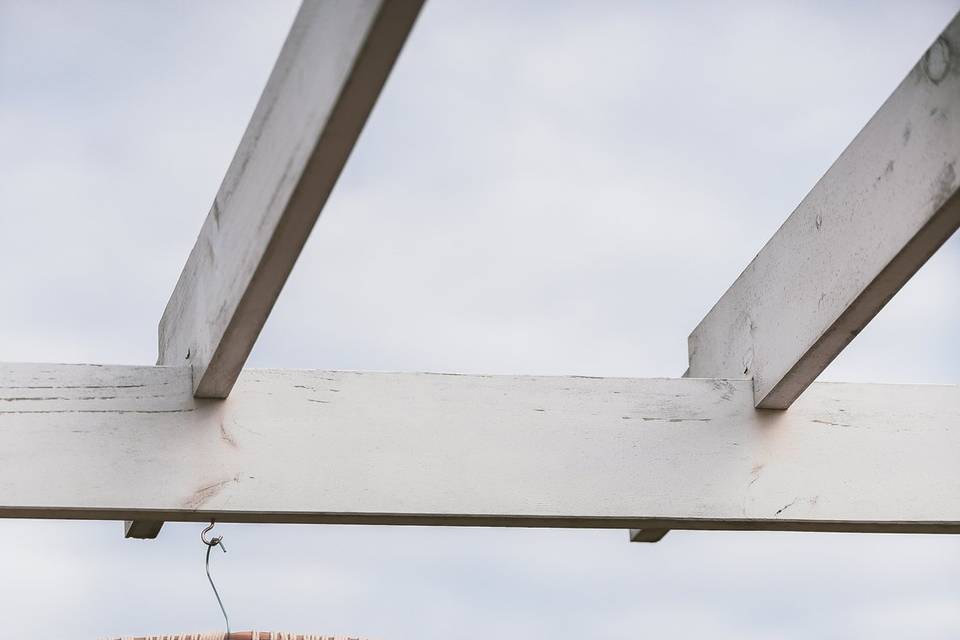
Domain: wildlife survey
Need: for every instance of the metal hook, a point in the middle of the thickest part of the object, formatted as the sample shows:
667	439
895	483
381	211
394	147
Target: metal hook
211	543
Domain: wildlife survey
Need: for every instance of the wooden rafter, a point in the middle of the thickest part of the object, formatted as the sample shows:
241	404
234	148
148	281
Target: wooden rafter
884	207
149	444
375	448
327	78
326	81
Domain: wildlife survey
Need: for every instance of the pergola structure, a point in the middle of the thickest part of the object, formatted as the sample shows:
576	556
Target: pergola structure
744	440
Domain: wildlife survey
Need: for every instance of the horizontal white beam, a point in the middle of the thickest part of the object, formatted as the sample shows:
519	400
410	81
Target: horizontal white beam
884	207
107	442
325	82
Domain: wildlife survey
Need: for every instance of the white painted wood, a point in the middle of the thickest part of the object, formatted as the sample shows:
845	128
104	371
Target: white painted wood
647	535
107	442
325	82
883	208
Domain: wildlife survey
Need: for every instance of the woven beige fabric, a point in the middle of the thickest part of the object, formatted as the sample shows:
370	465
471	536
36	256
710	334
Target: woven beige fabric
241	635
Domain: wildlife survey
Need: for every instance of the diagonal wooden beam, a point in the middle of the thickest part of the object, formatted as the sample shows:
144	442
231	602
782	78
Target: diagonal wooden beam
327	78
108	442
325	82
883	208
749	332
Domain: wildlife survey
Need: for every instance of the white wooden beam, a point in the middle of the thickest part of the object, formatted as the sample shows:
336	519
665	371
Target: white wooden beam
325	82
883	208
642	535
80	441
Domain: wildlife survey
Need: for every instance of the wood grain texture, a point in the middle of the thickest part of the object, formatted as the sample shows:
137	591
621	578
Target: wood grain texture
110	442
883	208
325	82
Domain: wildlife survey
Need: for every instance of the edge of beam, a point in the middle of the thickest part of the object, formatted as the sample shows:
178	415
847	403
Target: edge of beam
132	443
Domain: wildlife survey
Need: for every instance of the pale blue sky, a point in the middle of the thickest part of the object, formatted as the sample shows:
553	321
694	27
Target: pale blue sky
544	187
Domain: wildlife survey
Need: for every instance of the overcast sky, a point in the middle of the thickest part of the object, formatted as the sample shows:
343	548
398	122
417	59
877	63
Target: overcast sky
543	187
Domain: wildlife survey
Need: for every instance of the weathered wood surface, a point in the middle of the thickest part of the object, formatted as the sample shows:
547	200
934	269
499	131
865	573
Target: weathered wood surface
325	82
883	208
111	442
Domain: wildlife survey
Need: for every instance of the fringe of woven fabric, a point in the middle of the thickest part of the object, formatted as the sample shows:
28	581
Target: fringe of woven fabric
240	635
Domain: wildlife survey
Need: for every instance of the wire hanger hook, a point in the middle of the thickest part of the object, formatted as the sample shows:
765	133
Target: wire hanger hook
214	541
211	543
